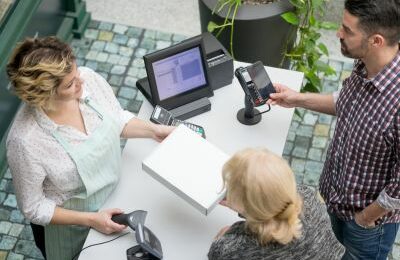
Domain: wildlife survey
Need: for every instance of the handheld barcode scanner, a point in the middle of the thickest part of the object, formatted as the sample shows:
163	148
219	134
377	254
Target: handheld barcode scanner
257	87
149	246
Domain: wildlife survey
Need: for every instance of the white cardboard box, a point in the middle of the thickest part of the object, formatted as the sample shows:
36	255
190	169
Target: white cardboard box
190	166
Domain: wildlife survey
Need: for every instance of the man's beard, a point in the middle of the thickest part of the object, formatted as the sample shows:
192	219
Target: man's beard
345	51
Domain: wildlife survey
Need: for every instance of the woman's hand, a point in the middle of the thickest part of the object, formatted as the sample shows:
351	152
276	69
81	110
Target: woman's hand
162	131
284	96
101	221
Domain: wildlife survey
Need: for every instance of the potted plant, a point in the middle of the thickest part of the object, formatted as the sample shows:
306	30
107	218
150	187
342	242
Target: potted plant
266	30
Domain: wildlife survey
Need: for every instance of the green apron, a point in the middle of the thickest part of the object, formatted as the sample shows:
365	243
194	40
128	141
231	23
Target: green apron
98	161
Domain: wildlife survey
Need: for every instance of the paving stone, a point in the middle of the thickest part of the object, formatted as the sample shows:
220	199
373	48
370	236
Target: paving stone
119	28
13	256
105	26
315	154
291	136
298	165
16	216
150	34
91	64
124	61
396	252
330	86
118	69
134	72
135	105
115	90
104	67
5	227
324	119
293	126
178	38
8	175
4	214
120	39
93	24
321	130
102	57
303	130
299	152
138	63
302	141
3	184
105	36
162	45
11	201
115	80
142	73
26	233
91	55
163	36
132	42
310	119
319	142
128	93
311	178
314	167
299	178
140	52
91	33
80	62
98	45
134	32
15	229
8	243
288	148
2	197
104	75
82	53
148	44
123	102
111	47
9	187
114	58
27	247
130	81
125	51
139	96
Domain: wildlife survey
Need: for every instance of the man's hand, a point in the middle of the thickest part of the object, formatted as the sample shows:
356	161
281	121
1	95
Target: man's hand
284	96
101	221
361	220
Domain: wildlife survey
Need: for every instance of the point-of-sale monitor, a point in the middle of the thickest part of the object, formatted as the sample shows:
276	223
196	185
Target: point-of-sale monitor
178	74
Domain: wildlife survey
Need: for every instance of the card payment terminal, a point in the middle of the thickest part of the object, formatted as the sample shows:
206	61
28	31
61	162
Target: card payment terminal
163	117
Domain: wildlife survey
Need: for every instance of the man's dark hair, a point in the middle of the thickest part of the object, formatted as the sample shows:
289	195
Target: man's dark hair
377	16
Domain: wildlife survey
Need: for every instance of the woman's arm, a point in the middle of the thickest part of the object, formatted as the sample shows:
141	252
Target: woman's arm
101	221
137	128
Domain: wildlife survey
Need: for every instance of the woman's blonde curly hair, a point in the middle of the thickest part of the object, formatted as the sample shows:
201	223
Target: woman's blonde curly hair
37	67
263	186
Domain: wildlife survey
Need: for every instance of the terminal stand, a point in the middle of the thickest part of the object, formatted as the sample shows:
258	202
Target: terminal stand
248	115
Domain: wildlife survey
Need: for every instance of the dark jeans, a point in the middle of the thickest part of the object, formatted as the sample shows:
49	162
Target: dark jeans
38	235
361	243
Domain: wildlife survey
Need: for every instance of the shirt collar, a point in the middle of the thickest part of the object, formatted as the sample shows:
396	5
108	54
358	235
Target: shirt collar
382	80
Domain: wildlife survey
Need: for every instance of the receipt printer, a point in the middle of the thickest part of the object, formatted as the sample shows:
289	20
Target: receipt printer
220	63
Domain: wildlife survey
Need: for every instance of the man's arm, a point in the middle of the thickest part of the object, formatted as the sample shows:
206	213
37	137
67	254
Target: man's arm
287	97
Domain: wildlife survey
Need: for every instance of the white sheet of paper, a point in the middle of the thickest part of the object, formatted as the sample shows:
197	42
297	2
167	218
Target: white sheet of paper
190	166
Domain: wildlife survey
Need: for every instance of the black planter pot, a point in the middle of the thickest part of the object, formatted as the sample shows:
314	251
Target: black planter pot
260	33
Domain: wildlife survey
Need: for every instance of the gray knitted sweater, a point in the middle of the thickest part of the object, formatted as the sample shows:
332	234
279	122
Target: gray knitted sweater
316	242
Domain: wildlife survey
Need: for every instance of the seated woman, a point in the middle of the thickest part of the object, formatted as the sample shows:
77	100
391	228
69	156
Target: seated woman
281	222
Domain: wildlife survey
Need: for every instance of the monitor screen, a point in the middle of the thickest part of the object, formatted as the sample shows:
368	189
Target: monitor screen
179	73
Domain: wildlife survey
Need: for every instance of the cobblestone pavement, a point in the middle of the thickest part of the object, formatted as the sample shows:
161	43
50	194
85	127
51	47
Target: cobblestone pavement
115	51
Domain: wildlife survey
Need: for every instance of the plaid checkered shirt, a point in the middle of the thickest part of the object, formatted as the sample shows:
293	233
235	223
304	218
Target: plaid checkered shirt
363	159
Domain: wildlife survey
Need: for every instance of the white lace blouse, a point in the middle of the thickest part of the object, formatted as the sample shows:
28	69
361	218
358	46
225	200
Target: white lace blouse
43	174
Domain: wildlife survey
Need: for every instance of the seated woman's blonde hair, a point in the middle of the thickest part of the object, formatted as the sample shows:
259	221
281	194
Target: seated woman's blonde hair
37	67
262	185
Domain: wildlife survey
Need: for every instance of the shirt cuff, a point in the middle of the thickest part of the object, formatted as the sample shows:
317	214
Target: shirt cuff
387	202
44	213
124	118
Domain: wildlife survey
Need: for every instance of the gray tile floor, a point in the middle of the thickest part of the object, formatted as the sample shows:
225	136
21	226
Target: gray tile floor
115	51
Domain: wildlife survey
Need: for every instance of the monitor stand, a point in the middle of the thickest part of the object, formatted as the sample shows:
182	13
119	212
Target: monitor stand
182	112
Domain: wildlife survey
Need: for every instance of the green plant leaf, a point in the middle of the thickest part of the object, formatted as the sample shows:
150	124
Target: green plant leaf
291	18
309	87
329	25
323	48
211	26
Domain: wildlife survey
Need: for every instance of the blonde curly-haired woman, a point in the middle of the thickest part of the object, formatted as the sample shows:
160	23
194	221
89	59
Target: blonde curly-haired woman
63	148
282	221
